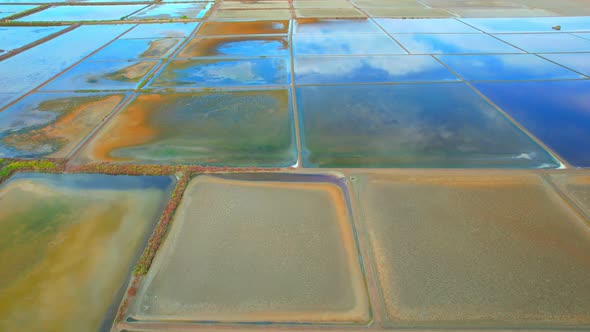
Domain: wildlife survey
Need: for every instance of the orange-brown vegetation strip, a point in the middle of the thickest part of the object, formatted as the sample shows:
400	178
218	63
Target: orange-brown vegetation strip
10	166
187	171
128	296
142	169
126	169
156	239
154	242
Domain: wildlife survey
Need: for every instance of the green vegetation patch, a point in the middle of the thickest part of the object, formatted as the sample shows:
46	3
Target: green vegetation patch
33	165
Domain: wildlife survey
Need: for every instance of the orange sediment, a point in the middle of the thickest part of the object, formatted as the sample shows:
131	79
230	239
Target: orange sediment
244	28
210	46
64	277
130	128
67	129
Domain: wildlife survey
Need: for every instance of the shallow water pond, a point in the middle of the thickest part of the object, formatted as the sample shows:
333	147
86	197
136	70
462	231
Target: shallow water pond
547	42
98	75
241	46
512	67
32	67
9	10
352	44
579	62
172	11
453	43
15	37
369	69
242	128
529	24
82	13
52	124
214	73
440	25
335	26
68	244
410	125
160	30
133	49
558	113
244	28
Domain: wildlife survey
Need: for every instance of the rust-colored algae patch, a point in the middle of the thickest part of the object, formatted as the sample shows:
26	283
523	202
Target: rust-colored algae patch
131	292
244	28
143	169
